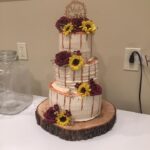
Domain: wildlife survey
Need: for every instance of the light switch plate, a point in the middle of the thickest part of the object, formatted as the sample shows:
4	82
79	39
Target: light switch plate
22	51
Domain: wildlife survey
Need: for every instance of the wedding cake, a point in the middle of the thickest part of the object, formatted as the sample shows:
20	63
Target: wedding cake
74	109
75	88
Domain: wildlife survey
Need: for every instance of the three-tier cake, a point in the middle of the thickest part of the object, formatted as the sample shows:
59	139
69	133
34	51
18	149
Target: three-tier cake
75	96
75	88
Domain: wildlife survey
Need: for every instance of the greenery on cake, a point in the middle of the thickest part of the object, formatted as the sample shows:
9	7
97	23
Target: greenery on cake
54	115
90	88
67	25
74	60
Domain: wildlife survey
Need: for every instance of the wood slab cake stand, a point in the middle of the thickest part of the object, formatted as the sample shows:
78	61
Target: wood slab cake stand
80	130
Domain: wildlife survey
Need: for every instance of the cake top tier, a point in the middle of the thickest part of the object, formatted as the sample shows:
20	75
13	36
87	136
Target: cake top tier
75	20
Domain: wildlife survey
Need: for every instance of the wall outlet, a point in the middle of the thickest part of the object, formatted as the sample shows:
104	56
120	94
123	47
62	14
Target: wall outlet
22	51
129	66
147	59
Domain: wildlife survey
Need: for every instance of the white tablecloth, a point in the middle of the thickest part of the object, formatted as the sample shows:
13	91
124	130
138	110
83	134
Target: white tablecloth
20	132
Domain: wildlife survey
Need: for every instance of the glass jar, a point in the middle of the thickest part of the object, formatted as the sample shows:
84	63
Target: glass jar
15	88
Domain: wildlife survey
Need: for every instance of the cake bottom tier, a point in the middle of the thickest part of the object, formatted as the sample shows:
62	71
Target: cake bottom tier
79	130
81	108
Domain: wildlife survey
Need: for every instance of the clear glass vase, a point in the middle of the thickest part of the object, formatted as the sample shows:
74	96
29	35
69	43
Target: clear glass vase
15	87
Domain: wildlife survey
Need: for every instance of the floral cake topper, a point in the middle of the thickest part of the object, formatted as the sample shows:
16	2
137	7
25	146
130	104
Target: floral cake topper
75	20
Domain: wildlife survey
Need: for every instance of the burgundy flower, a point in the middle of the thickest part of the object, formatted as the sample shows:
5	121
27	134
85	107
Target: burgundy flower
77	22
62	22
91	81
77	85
56	107
62	58
50	115
96	89
77	52
68	113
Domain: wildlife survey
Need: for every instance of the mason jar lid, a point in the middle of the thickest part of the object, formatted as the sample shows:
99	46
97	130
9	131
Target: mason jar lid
8	55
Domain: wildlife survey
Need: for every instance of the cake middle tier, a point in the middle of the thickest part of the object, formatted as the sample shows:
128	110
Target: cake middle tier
68	78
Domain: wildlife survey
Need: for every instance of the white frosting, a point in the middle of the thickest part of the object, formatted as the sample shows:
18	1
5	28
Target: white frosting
59	87
78	41
82	108
65	76
63	92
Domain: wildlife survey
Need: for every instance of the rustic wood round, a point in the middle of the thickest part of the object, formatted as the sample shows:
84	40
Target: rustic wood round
80	130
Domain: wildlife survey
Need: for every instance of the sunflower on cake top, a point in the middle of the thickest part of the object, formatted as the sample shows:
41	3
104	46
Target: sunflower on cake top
67	25
75	94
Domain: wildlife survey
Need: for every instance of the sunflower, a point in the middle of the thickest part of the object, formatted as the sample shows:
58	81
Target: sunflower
62	119
67	29
76	62
88	26
84	89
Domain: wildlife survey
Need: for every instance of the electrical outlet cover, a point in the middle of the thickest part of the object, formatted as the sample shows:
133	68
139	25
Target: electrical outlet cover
127	65
22	51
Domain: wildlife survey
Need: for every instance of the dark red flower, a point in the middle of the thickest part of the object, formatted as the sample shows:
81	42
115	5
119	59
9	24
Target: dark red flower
56	107
50	115
77	52
68	113
62	58
96	89
77	85
77	22
62	22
